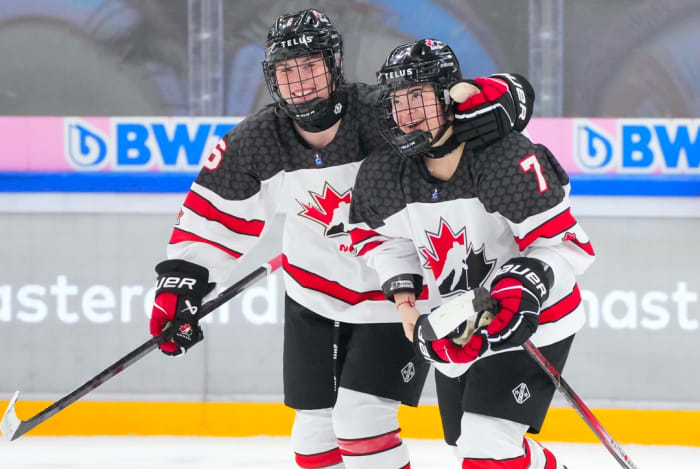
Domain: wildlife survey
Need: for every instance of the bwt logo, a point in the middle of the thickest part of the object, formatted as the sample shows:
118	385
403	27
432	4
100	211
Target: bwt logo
638	147
139	144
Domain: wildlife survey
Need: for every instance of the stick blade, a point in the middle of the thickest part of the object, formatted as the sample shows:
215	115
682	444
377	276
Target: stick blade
447	317
10	423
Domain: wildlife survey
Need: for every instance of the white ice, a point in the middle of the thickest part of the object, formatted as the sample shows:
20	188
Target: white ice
275	453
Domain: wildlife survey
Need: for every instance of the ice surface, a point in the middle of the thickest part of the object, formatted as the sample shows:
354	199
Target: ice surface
275	453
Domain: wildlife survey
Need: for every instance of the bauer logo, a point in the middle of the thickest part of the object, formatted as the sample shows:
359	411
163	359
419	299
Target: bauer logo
142	144
637	146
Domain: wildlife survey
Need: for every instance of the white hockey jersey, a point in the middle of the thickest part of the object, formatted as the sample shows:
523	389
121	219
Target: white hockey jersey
508	200
260	169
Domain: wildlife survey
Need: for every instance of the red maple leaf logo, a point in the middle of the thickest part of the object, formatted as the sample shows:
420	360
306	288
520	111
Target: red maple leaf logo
440	245
323	207
569	236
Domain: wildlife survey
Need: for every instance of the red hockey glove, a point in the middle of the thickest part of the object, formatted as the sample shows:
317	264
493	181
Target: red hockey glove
520	287
180	288
445	350
503	103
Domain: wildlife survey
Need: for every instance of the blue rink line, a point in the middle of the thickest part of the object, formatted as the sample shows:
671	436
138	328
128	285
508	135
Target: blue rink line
158	183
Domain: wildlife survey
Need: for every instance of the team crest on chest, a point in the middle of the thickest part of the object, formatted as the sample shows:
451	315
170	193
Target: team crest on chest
329	209
455	263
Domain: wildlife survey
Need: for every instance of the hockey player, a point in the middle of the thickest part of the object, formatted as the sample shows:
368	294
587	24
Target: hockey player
497	217
347	365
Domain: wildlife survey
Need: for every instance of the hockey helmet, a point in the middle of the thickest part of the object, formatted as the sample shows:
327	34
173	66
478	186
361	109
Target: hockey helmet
408	121
301	35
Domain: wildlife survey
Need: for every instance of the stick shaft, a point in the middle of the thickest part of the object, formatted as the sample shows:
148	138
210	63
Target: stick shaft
582	409
141	351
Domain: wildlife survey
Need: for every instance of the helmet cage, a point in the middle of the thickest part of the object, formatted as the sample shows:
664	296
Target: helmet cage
299	36
407	142
403	70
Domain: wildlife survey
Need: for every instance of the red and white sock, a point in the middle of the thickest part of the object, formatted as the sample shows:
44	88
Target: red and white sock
315	445
367	428
541	457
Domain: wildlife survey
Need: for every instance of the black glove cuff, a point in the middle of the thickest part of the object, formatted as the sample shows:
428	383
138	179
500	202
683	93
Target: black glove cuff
534	274
523	95
487	123
403	283
422	347
183	278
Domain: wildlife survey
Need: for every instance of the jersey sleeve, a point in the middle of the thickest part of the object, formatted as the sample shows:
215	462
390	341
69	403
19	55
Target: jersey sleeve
380	228
525	184
227	207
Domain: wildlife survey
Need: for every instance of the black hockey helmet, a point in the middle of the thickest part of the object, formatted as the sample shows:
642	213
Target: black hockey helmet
305	34
424	62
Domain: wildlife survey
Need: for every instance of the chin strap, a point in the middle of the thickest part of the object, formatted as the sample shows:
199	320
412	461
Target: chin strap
442	150
327	114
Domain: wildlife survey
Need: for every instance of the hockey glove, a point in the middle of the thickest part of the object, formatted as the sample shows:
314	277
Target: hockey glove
180	288
445	350
490	108
520	287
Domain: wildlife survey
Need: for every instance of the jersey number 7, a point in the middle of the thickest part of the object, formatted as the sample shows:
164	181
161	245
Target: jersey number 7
531	162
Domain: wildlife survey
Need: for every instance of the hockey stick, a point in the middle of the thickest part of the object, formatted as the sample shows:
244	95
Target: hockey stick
445	319
581	409
12	427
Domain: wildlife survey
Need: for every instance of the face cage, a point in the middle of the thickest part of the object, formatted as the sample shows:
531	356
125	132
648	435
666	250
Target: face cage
407	141
307	111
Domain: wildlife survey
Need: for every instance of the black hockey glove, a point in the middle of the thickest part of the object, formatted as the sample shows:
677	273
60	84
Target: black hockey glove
503	103
180	288
520	287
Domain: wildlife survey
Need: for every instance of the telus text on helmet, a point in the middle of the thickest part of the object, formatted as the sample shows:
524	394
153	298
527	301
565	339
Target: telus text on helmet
296	41
398	73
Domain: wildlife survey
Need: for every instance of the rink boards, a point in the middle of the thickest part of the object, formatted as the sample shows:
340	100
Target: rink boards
76	288
77	281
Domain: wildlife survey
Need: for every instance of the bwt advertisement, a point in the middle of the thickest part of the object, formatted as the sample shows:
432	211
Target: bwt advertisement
647	157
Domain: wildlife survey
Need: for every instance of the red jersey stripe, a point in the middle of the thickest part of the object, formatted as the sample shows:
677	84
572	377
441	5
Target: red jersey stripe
368	247
587	248
358	235
179	236
561	308
549	229
313	461
331	288
206	209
